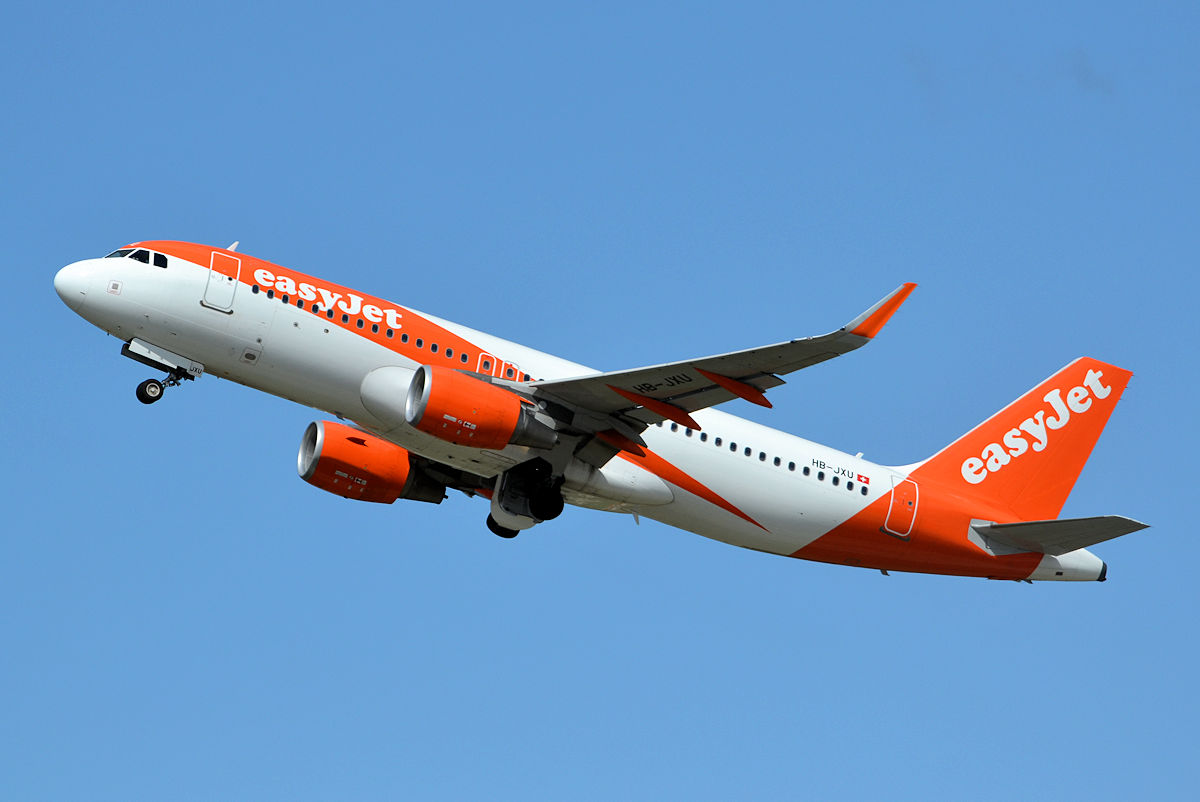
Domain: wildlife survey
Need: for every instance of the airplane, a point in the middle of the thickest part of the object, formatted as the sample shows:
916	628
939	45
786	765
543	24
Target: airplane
424	405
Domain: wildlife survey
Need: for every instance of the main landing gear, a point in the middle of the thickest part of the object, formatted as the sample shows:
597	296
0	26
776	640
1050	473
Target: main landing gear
497	529
151	390
525	495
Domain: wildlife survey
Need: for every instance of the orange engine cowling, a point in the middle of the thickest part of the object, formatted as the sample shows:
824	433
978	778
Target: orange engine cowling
351	463
466	411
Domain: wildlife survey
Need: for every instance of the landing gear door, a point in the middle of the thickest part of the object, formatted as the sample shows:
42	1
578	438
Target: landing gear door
223	274
902	512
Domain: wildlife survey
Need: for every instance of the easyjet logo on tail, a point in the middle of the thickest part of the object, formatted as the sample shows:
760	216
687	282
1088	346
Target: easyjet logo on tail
1034	432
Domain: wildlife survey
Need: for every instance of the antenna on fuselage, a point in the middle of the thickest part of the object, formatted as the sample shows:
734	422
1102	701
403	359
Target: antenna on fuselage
233	247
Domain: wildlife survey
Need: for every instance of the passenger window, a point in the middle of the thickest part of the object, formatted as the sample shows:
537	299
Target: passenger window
345	318
254	289
433	348
733	446
141	256
717	442
835	481
703	437
270	293
374	328
807	470
487	365
849	485
863	490
286	299
359	323
762	456
791	466
160	260
420	343
299	303
390	333
461	357
509	373
820	476
329	314
403	337
748	451
674	427
687	432
449	353
778	462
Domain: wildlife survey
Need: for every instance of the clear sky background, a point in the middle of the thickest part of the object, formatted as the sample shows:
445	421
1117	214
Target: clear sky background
182	618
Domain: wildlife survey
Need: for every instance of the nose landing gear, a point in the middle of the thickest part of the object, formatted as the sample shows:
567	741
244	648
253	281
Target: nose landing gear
151	390
179	368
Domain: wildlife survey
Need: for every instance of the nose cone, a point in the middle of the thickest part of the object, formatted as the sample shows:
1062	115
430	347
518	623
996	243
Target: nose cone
71	285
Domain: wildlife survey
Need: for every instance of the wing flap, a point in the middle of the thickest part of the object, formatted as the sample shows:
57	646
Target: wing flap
1060	536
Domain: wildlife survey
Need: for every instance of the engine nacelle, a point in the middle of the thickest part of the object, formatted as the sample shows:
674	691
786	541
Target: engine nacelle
466	411
351	463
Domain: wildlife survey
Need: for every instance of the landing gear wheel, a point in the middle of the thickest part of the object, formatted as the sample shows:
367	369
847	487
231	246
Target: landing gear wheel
149	391
497	529
546	503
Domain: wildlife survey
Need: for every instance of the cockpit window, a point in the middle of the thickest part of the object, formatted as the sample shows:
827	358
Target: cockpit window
119	253
141	255
160	260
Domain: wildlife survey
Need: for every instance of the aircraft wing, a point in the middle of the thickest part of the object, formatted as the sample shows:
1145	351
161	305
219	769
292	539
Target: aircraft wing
672	390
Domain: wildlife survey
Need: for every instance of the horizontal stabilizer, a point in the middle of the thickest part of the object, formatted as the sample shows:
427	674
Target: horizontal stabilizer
1061	536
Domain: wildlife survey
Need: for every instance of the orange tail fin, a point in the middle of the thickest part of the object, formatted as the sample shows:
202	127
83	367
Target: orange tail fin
1027	457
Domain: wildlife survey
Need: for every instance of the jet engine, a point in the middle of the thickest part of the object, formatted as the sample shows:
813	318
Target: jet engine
351	463
466	411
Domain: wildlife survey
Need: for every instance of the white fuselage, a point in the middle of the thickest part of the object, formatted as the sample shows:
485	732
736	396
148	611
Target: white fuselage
289	335
307	359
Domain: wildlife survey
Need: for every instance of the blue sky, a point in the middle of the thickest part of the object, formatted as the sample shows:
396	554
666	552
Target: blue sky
183	618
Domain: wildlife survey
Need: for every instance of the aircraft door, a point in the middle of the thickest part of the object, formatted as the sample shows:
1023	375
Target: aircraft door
223	274
902	512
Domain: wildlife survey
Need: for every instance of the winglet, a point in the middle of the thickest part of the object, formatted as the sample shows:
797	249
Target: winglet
871	321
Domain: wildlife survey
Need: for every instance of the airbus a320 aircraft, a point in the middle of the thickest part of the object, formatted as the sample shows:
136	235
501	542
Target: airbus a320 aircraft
430	405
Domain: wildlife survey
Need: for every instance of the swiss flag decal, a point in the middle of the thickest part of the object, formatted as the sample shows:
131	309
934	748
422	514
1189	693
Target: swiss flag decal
864	480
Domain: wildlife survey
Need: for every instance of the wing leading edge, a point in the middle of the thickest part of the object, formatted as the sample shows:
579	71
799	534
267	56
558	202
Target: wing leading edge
672	390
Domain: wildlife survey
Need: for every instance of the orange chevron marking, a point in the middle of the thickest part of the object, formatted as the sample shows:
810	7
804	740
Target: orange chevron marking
670	473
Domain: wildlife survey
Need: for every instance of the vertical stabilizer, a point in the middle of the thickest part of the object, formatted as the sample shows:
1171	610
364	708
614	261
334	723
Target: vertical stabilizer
1026	457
